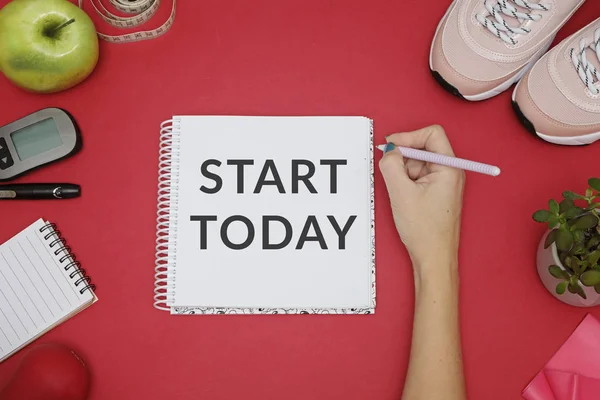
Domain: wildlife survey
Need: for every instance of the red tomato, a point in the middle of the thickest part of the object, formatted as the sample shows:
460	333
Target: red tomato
48	372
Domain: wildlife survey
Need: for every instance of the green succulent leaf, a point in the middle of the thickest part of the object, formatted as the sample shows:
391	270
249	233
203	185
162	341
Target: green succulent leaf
597	289
565	205
590	278
584	267
575	288
594	257
588	193
553	222
561	287
585	222
574	212
570	261
594	183
553	206
558	272
564	240
541	216
551	238
579	290
575	264
579	237
567	194
593	242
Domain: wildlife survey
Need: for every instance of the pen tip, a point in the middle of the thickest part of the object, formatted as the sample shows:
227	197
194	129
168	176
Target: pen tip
496	171
381	147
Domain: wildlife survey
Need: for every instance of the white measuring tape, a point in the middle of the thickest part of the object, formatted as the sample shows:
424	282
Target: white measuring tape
141	11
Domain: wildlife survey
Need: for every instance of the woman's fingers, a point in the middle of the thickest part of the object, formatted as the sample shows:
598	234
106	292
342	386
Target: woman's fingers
395	173
432	138
416	169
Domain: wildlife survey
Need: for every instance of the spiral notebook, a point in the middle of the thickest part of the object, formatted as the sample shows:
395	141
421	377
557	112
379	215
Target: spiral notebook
265	215
41	286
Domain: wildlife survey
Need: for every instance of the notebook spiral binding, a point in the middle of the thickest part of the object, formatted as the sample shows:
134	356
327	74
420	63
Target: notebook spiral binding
57	243
166	220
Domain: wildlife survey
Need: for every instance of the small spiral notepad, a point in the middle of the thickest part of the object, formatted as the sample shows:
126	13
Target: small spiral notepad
265	215
41	285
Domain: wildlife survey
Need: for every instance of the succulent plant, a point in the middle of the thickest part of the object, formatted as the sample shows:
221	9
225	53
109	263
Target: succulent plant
575	229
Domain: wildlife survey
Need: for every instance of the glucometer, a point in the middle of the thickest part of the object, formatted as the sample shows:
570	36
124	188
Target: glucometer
38	139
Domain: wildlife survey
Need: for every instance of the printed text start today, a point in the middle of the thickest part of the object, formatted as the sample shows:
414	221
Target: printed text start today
269	176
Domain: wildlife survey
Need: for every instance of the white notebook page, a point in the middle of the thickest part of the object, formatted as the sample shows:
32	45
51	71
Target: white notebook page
36	293
289	278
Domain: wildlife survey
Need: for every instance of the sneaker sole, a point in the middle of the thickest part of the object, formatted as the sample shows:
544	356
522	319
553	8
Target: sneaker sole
448	87
583	140
490	93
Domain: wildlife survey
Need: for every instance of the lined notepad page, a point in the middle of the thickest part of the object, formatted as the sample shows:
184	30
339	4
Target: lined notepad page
36	293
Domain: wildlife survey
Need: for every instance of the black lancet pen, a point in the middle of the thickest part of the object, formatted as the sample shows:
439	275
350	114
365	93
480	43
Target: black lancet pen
39	191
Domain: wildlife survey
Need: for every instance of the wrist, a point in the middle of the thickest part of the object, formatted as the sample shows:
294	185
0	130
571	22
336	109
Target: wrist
436	260
436	269
436	280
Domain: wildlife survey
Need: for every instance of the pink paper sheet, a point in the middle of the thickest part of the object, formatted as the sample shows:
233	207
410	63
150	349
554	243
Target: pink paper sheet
573	373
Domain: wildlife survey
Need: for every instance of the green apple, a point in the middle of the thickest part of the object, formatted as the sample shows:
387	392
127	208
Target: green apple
46	45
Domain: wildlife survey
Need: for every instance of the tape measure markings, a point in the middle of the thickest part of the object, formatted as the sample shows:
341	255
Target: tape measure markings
144	10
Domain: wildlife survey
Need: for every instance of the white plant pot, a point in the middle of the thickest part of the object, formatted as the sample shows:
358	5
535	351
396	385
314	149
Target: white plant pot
549	256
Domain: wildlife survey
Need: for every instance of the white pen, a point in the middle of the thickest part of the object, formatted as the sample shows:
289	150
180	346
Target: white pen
447	161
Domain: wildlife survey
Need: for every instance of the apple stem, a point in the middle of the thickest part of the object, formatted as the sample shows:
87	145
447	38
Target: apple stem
69	22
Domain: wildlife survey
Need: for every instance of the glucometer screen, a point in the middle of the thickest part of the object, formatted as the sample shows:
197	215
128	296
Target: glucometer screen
36	139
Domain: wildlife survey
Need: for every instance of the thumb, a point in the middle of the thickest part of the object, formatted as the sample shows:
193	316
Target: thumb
394	172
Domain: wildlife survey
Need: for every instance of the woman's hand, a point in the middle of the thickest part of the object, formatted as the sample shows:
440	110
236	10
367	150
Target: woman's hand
427	202
426	198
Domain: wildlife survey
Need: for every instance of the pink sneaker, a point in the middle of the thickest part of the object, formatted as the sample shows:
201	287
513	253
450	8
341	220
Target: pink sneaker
482	47
559	99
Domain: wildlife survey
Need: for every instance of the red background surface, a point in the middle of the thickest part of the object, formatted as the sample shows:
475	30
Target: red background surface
309	57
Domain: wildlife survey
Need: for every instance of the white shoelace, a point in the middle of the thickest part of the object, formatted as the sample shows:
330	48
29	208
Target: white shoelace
588	73
500	9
